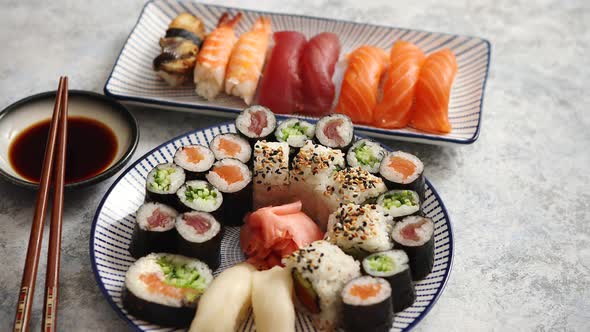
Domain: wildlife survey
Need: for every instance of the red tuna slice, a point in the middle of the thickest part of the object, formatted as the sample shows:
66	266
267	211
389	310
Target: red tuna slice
331	131
158	219
198	222
409	231
257	122
280	89
316	67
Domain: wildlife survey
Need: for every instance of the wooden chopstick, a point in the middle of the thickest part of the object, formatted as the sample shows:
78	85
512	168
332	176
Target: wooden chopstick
54	251
27	288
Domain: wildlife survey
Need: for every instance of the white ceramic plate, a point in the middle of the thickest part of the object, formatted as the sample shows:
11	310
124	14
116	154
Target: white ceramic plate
133	80
115	218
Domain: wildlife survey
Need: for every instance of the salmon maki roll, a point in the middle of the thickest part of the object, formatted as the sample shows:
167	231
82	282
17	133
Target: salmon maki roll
360	86
433	91
405	62
214	56
247	59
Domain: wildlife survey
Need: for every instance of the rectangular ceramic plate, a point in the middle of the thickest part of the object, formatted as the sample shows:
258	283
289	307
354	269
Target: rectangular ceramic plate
133	80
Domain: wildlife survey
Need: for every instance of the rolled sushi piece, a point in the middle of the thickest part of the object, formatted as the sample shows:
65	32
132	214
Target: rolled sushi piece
320	271
162	183
397	204
393	266
234	180
231	146
256	123
271	174
164	288
368	305
335	131
199	236
295	133
415	235
359	230
199	195
154	230
402	170
195	160
366	154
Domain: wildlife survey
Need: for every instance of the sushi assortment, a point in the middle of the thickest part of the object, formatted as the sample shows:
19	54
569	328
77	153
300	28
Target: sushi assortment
330	226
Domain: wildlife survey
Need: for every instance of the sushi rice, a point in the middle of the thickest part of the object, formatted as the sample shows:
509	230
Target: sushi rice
165	178
220	144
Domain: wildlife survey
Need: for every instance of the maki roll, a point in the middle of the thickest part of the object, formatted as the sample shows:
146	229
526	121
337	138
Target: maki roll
397	204
199	236
366	154
359	230
368	306
162	183
195	160
154	230
335	131
256	123
320	270
415	235
295	133
393	266
199	195
402	170
234	180
271	174
231	146
165	289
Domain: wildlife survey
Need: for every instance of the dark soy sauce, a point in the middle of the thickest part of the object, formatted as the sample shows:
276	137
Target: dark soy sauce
91	148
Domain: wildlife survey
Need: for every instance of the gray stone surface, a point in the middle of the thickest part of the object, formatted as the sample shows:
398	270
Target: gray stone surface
518	197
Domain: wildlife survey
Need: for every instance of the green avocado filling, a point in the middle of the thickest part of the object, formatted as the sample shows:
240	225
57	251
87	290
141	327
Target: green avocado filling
381	263
206	193
162	179
365	156
398	199
182	276
294	130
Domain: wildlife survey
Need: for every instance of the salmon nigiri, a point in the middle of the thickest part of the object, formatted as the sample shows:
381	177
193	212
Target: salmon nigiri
214	56
433	90
405	61
358	95
247	59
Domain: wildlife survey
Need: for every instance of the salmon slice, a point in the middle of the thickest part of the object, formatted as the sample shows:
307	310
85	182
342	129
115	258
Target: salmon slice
230	147
193	154
231	174
365	291
402	166
358	95
393	111
433	91
156	285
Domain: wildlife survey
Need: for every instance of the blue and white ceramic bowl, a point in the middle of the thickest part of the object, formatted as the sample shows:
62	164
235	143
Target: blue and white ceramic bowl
133	80
115	219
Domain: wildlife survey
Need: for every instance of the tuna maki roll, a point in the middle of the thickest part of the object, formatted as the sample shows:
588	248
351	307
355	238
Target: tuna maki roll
335	131
196	160
271	174
367	305
393	266
295	132
366	154
199	236
232	178
402	170
199	195
256	123
162	183
165	289
397	204
231	146
154	230
415	235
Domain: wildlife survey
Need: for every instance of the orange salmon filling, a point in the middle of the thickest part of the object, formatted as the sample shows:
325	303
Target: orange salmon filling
193	154
156	285
365	291
231	174
229	147
403	166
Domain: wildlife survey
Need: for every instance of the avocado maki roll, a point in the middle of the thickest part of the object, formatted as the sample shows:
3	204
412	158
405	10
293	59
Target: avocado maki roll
199	196
199	236
154	230
162	183
397	204
366	154
368	306
415	235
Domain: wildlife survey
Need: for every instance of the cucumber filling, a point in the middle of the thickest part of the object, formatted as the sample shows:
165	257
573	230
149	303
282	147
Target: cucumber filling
365	156
305	293
182	276
398	199
162	179
381	263
204	193
294	130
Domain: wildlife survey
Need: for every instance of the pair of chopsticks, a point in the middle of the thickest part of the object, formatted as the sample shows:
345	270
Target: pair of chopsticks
57	136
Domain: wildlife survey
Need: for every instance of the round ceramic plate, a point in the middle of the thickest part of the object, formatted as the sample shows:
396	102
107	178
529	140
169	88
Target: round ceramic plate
115	218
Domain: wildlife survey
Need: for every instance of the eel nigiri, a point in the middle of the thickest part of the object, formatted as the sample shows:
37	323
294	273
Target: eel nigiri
433	91
317	64
247	59
214	56
360	86
280	89
394	110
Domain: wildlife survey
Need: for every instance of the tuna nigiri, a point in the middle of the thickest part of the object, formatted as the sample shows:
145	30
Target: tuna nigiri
280	89
317	64
214	56
433	90
405	62
247	59
358	95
